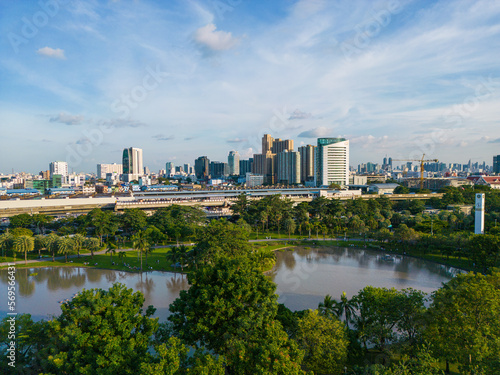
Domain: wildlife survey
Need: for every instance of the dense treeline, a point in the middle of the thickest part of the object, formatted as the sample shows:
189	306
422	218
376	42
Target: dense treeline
403	225
229	322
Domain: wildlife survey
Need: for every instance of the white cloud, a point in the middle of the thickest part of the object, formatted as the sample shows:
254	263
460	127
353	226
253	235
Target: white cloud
122	123
64	118
316	133
55	53
162	137
208	37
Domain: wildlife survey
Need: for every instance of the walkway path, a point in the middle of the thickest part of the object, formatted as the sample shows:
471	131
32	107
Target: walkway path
100	252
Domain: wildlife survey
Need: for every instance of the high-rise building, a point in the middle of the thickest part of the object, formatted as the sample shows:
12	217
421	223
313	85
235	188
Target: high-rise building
132	162
332	161
219	169
265	163
202	168
288	167
280	145
58	167
496	164
246	166
103	169
233	160
187	168
307	157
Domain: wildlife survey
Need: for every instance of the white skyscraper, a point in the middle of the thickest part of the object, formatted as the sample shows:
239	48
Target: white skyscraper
58	167
332	161
104	169
132	162
233	160
479	220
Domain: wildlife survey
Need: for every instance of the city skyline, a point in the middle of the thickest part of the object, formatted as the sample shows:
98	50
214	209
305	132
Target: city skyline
81	81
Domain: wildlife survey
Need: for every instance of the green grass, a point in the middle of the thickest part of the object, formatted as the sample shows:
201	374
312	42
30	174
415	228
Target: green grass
105	261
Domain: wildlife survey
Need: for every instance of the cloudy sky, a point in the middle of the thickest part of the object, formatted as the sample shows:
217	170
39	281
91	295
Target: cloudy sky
81	80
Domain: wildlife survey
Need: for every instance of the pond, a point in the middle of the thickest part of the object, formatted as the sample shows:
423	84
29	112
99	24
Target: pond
303	277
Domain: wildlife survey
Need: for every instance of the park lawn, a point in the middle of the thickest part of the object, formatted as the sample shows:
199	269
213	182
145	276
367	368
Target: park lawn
156	260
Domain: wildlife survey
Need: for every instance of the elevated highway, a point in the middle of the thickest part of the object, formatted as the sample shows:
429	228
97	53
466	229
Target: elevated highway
214	202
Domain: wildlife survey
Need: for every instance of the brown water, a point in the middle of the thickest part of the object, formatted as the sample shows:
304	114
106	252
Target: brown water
303	278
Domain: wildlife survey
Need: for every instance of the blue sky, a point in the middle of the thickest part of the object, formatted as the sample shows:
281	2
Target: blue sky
81	80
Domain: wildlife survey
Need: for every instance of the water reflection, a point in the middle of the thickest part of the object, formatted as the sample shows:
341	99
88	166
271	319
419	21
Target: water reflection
306	275
303	278
40	294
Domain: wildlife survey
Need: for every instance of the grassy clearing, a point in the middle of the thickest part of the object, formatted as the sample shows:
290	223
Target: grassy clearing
156	260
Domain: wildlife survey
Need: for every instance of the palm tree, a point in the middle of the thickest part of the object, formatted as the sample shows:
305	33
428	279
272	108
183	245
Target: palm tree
111	249
173	255
41	243
23	244
92	244
52	244
329	307
64	246
122	254
78	241
346	308
140	243
183	255
5	241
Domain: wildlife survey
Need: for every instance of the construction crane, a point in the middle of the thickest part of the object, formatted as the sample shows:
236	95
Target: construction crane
422	161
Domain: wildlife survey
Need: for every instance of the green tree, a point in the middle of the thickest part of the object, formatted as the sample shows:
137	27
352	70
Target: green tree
132	220
52	244
230	309
222	239
324	341
463	322
103	222
20	221
5	242
30	341
154	234
78	242
346	308
64	246
140	242
40	243
101	332
92	244
378	315
111	249
328	307
24	244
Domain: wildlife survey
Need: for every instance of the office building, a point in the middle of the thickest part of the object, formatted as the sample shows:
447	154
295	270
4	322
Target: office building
58	167
496	164
332	161
307	157
288	167
104	169
265	163
233	160
202	168
219	170
253	180
246	166
132	163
